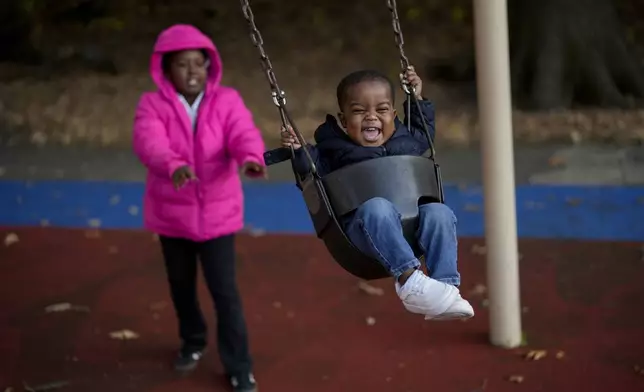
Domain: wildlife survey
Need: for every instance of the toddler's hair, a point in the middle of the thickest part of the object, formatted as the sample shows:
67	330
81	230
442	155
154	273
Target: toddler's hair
166	60
362	76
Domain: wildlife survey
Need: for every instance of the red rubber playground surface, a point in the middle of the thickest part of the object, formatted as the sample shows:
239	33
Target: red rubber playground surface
312	327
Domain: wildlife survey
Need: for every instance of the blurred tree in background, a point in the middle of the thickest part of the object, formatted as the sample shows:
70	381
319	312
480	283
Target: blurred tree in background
567	52
71	71
564	52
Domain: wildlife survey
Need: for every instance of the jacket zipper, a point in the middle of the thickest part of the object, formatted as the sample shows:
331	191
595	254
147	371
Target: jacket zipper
198	186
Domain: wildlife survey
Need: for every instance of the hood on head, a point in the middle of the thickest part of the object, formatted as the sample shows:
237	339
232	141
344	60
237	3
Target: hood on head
183	37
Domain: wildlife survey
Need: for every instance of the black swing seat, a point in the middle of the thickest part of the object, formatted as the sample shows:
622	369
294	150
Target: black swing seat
406	181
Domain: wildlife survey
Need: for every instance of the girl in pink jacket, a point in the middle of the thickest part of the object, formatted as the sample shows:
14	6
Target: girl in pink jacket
193	135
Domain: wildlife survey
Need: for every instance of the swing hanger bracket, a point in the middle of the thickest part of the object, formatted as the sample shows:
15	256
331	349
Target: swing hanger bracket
408	89
279	99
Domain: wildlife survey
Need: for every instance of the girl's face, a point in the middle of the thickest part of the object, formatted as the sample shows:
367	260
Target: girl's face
188	72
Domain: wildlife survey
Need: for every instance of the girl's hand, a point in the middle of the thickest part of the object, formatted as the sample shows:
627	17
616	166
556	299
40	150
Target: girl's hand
254	170
411	79
289	139
182	175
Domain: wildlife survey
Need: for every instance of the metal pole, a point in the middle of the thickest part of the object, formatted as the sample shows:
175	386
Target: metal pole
495	116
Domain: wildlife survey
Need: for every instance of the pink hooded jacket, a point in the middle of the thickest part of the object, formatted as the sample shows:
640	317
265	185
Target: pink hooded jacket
225	138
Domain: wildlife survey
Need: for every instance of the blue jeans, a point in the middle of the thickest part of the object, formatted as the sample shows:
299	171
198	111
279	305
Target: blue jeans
375	228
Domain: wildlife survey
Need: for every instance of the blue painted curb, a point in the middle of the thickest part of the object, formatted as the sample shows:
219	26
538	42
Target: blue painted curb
543	211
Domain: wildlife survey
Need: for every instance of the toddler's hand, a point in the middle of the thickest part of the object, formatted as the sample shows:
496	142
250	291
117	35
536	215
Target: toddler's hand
182	175
254	170
411	78
289	139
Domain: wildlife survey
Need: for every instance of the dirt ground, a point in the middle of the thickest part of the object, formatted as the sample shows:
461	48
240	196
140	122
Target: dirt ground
72	100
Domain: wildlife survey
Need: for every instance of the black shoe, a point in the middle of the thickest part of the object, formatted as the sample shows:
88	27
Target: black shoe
244	382
187	360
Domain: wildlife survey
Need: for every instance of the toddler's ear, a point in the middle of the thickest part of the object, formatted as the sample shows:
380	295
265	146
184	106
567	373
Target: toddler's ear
343	121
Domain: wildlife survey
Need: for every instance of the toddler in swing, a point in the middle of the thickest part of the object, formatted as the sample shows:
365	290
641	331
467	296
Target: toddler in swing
194	135
369	128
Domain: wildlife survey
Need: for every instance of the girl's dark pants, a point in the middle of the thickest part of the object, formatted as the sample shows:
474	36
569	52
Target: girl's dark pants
217	258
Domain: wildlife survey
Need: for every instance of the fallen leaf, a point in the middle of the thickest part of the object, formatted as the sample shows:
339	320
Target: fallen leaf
124	334
45	387
160	305
277	305
479	289
114	200
133	210
93	233
560	354
65	307
11	239
44	223
556	161
535	355
290	314
61	307
638	370
369	289
8	389
257	232
482	388
39	138
576	137
480	250
113	250
371	321
516	378
94	223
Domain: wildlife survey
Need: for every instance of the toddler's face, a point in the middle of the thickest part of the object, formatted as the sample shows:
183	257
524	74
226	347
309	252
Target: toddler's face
188	72
368	113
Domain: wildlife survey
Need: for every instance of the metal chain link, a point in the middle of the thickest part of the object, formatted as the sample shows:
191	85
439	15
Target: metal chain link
404	61
279	97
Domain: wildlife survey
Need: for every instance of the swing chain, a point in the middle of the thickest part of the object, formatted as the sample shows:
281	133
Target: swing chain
404	61
279	97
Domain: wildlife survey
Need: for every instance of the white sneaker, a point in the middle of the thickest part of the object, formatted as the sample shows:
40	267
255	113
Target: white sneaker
459	310
424	295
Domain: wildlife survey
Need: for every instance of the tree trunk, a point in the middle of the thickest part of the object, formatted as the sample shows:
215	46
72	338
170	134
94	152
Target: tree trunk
16	27
568	52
